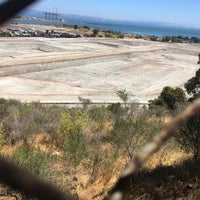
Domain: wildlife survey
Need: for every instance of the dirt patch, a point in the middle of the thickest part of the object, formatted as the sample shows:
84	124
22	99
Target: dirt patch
60	70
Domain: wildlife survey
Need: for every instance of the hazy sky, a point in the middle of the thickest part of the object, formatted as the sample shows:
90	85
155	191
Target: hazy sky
183	12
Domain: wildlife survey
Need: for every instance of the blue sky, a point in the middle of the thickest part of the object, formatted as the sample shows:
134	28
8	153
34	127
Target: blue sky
181	12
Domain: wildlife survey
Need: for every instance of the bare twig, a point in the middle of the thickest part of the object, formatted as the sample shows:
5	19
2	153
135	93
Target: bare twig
122	186
25	182
10	8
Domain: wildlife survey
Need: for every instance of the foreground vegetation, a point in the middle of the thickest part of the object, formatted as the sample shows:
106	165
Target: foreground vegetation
84	149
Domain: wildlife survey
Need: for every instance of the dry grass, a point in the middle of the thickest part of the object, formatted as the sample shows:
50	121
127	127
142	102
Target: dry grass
156	179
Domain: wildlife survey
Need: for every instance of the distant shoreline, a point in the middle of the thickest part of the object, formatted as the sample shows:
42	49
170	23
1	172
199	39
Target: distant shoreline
134	28
81	31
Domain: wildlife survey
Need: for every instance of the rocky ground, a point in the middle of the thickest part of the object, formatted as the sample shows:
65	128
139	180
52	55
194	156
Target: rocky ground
58	70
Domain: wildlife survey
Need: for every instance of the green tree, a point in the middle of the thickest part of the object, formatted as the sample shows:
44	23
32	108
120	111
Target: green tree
169	97
85	102
192	86
123	95
155	103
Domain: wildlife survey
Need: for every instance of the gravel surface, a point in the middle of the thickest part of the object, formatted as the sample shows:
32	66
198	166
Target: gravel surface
61	70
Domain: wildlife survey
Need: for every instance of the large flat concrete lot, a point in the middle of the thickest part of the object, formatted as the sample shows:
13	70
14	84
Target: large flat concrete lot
61	70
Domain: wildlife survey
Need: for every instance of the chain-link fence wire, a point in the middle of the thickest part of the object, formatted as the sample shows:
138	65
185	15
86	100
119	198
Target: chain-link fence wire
27	183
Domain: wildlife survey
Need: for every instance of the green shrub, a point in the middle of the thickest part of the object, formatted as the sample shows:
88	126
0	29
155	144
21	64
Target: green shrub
114	108
22	119
3	107
95	32
2	140
4	104
128	135
41	164
71	137
36	161
73	123
100	116
125	134
75	26
99	158
188	138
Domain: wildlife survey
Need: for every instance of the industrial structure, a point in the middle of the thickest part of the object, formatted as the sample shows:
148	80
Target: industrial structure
51	15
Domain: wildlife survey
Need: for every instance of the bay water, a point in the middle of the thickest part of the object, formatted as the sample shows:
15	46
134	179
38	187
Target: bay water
130	27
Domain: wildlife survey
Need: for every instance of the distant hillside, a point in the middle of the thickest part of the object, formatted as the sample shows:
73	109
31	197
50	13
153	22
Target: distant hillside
39	14
31	13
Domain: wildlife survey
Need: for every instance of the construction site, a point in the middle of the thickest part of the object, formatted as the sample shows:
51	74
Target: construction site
59	70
